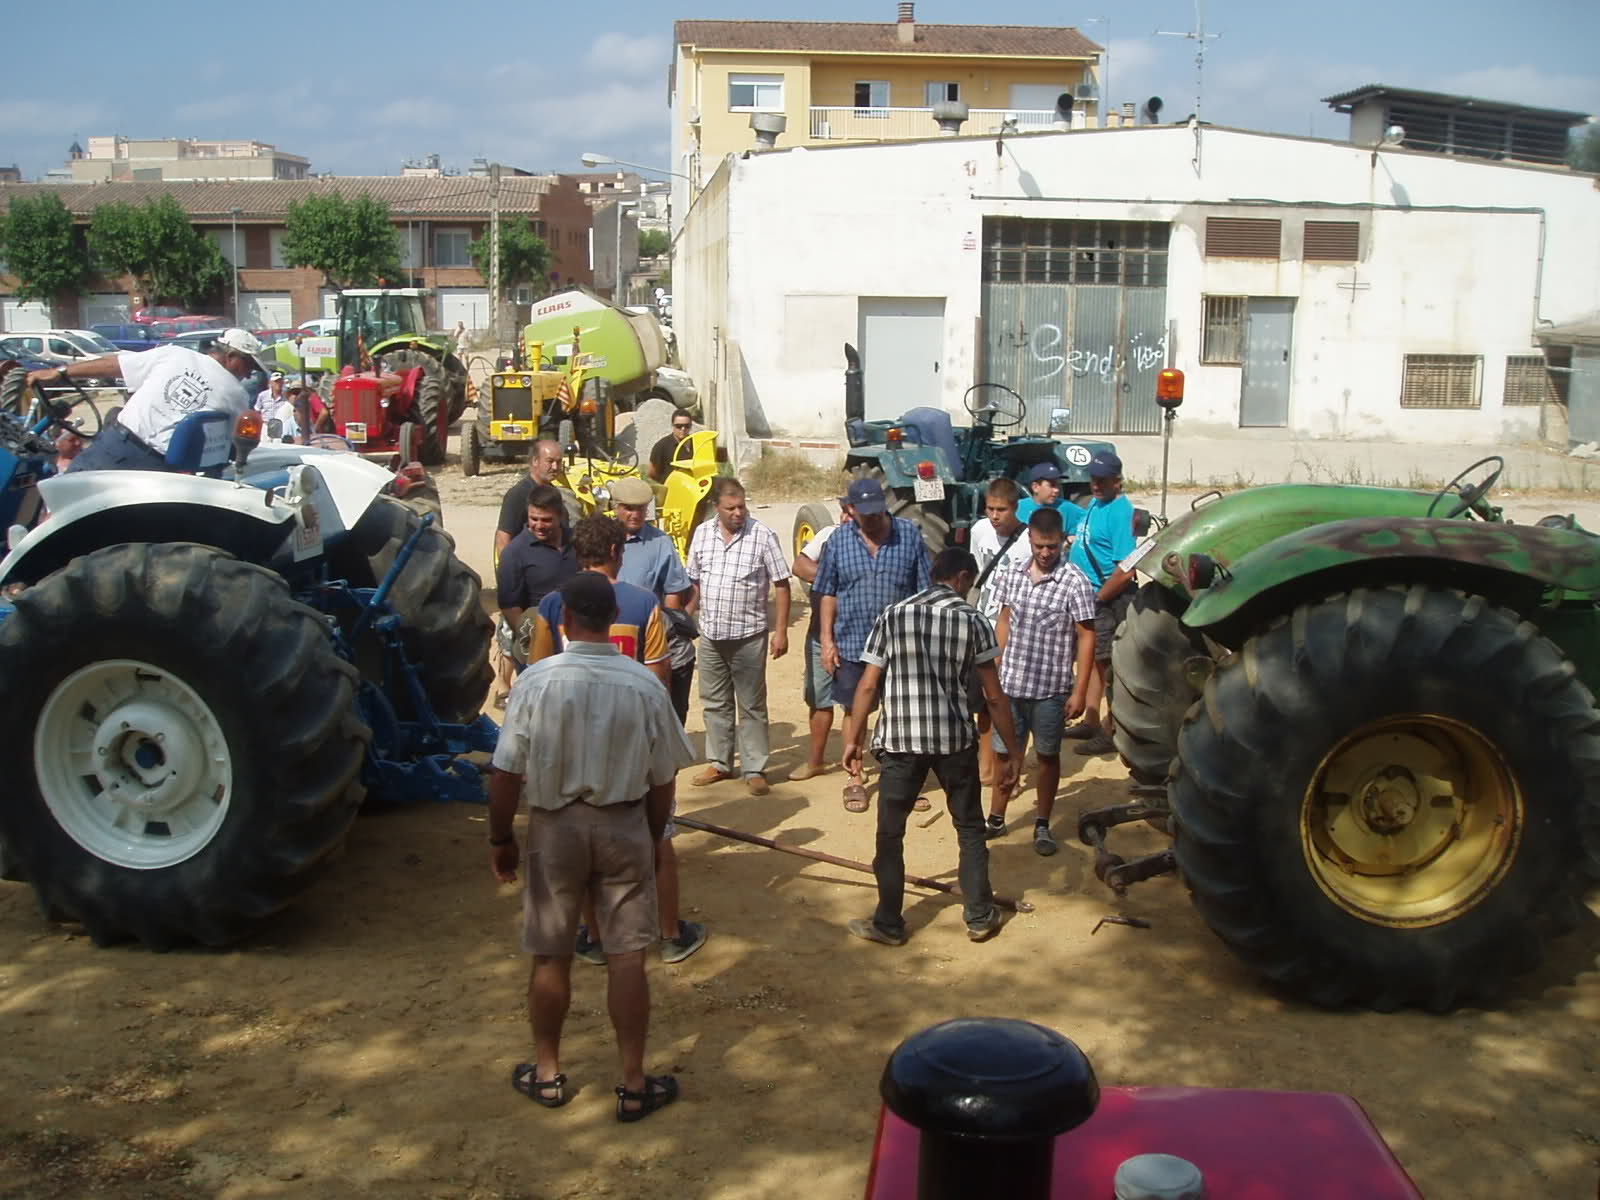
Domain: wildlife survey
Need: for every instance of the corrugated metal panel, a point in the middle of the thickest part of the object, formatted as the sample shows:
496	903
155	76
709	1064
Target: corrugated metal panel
1243	237
1333	241
1144	354
1096	346
1025	326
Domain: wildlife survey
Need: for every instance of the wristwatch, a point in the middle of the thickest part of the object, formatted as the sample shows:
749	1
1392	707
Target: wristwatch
61	374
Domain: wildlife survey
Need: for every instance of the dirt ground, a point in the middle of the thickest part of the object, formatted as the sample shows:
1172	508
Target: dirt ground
362	1044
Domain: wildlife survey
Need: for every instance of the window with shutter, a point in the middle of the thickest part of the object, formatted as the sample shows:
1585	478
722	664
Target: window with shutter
1333	241
1440	381
1529	380
1224	330
1243	237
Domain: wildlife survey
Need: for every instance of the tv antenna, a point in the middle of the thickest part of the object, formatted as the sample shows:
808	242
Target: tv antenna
1200	37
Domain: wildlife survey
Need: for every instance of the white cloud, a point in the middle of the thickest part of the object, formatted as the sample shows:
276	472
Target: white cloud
627	57
1524	85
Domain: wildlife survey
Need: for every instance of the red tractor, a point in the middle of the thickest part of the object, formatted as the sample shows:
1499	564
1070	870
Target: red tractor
386	413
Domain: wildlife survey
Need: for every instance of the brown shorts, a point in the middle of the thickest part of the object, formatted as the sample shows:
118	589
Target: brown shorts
605	853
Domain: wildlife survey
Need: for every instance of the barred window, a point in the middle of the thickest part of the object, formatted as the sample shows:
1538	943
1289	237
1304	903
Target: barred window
1133	253
1224	329
1243	237
1529	380
1440	381
1333	241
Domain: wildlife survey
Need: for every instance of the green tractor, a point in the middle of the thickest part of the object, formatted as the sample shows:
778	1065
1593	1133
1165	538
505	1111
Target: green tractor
1366	716
385	324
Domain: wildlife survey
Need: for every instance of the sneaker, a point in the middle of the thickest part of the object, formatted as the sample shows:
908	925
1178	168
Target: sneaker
984	930
1083	729
994	826
865	927
589	951
1098	744
691	936
1044	842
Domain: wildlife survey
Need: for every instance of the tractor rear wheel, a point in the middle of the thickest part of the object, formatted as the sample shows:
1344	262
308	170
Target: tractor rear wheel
1158	667
471	450
925	515
455	388
184	741
811	520
1388	797
427	403
443	626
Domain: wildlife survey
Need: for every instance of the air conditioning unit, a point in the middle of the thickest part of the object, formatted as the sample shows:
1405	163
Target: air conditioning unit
1086	91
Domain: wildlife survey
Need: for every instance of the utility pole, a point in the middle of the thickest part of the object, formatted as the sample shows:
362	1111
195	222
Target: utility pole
1199	36
494	253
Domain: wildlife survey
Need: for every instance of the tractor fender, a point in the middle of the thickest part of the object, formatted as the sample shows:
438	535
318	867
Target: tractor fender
1510	564
899	466
350	480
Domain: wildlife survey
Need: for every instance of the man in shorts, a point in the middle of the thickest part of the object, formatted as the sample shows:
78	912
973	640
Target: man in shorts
592	747
1047	639
818	683
1105	538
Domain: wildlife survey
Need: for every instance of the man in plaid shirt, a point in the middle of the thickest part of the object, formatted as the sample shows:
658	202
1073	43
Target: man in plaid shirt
925	651
1045	607
875	562
733	561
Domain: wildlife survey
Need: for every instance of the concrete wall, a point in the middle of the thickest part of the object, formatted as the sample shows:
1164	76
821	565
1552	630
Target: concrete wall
1451	262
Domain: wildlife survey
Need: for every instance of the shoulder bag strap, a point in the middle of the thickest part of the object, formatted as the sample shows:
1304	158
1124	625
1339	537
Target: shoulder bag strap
995	561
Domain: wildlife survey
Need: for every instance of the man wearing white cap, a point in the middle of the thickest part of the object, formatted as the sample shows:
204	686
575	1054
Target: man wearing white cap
165	385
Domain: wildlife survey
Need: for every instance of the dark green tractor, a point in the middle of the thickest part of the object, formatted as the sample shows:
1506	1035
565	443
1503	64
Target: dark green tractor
1366	717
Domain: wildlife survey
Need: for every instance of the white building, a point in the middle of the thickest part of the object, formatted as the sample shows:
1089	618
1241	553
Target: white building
1329	289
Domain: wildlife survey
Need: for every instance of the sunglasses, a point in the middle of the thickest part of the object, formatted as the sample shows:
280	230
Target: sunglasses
675	425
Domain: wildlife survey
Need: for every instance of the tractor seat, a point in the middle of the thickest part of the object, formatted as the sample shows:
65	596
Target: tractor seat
201	443
931	427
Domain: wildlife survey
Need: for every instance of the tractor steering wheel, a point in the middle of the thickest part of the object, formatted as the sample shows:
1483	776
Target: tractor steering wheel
14	389
1470	496
999	406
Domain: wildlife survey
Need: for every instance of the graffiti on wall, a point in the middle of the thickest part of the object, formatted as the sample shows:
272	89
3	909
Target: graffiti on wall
1048	351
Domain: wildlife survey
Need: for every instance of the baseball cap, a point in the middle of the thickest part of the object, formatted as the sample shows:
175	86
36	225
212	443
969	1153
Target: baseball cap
241	341
1103	464
866	497
277	375
631	490
1045	470
589	594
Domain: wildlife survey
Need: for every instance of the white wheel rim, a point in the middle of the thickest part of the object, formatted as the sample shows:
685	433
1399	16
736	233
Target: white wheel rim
133	764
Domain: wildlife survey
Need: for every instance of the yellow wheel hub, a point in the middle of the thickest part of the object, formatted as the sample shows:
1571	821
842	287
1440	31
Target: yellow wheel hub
1411	821
803	533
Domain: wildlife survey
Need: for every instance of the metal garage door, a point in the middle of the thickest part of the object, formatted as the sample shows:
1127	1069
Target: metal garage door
470	306
104	308
1074	321
266	310
23	316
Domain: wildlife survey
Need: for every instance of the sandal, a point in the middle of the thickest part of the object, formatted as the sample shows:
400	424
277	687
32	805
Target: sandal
855	798
659	1091
524	1077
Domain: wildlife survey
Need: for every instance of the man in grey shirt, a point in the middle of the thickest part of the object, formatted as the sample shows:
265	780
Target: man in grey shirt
591	744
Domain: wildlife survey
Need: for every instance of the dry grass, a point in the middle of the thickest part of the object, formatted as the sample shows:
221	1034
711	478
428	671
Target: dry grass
780	476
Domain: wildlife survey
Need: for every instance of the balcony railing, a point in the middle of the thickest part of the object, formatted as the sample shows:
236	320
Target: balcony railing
898	124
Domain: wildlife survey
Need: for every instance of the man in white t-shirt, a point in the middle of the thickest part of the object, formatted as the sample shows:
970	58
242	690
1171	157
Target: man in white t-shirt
165	385
1000	530
818	683
270	397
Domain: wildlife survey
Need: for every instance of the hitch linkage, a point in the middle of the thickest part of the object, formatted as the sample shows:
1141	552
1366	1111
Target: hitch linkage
1116	872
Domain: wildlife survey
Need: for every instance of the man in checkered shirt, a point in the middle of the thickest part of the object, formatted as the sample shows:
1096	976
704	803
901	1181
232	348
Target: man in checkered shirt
925	651
1045	607
733	561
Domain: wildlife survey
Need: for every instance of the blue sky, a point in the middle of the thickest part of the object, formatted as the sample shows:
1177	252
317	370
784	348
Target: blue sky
357	87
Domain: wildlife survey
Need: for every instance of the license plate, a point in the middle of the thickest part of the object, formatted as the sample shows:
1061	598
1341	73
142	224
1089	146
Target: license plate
307	530
511	431
356	431
928	489
1139	552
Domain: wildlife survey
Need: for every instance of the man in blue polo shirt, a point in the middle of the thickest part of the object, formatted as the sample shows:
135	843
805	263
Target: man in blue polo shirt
650	561
537	561
1104	539
875	561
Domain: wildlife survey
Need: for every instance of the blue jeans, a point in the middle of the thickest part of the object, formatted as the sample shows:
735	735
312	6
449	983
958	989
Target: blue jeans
901	778
116	450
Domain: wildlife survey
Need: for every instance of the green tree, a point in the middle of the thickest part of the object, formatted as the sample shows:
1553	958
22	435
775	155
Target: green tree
352	242
42	249
1583	151
653	243
524	256
155	242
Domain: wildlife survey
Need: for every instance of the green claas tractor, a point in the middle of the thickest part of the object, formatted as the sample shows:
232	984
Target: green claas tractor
1366	716
384	326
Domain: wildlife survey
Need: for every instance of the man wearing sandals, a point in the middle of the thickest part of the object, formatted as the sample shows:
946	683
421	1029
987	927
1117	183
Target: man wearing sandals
926	651
591	744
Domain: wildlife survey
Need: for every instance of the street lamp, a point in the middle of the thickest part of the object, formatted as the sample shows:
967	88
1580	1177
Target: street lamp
605	160
616	266
236	266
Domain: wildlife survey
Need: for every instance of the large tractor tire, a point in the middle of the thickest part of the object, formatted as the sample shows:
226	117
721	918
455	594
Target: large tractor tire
1158	667
925	515
811	520
430	399
471	449
1389	797
455	387
443	626
184	750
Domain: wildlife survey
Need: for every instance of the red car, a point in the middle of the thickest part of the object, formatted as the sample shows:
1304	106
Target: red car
144	316
168	327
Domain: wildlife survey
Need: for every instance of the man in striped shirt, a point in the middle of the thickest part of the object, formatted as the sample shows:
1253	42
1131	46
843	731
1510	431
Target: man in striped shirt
925	652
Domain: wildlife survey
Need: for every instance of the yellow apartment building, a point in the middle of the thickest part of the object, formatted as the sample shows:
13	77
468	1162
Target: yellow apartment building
833	82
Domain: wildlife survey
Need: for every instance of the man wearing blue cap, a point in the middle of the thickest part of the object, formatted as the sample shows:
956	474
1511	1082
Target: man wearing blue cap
1105	538
876	561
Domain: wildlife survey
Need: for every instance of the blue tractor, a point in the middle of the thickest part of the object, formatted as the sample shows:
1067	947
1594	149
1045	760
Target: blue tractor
207	670
934	472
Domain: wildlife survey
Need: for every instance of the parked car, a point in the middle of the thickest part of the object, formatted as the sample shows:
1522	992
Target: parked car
49	347
170	327
87	340
144	315
195	339
321	327
12	349
129	337
271	337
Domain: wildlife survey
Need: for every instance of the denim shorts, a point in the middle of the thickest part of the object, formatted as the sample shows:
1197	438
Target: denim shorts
819	684
1042	718
845	681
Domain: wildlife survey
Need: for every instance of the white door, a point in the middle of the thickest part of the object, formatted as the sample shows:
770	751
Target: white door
902	354
266	310
104	308
23	316
470	306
